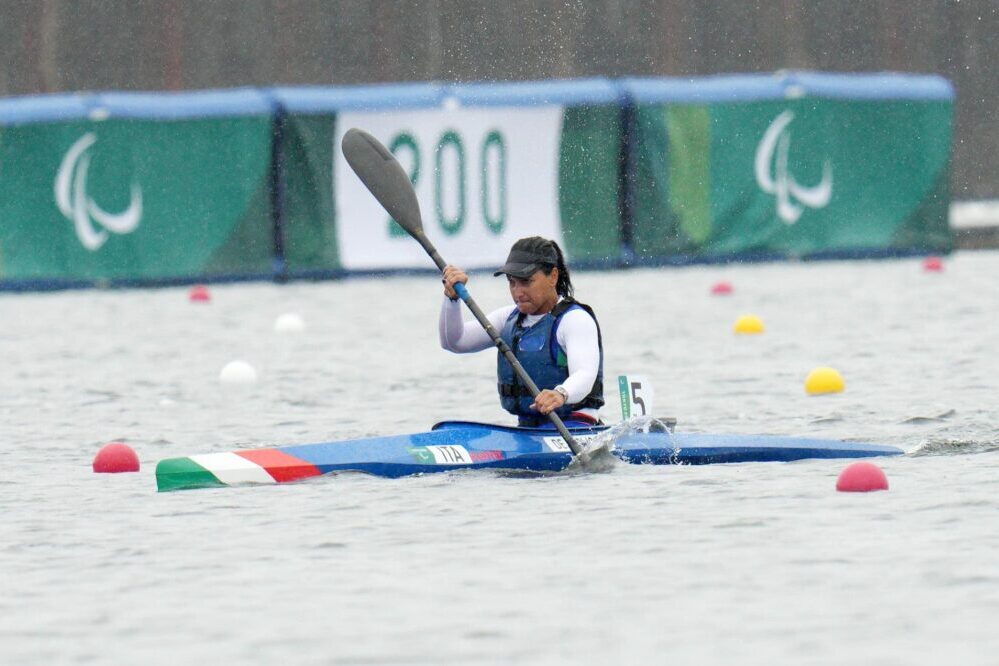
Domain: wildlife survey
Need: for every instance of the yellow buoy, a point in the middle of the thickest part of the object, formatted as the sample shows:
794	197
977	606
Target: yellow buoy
748	324
824	380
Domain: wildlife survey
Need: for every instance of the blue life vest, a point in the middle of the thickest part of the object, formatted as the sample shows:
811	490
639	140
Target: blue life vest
545	361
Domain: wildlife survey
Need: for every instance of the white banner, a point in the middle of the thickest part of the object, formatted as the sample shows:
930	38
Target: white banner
484	177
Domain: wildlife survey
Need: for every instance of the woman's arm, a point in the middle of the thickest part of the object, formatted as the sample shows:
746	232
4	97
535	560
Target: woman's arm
464	337
577	333
469	336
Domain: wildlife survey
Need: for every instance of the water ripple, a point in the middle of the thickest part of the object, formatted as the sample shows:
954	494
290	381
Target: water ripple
636	565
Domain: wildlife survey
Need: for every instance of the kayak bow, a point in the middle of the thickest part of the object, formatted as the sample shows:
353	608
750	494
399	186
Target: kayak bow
465	445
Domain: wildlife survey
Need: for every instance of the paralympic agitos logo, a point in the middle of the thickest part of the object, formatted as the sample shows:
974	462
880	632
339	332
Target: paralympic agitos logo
774	177
92	223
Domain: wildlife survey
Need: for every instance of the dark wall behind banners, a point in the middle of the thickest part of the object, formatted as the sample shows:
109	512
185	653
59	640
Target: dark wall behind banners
66	45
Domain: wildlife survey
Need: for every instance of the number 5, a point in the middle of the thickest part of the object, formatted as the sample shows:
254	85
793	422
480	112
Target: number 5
635	388
629	388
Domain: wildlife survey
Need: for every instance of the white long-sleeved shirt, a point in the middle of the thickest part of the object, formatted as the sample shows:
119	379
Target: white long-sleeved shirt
577	335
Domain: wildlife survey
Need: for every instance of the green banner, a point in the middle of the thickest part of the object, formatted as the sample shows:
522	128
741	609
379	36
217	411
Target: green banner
153	188
309	211
589	182
792	176
135	199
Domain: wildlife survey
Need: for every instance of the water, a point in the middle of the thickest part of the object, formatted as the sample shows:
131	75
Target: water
752	563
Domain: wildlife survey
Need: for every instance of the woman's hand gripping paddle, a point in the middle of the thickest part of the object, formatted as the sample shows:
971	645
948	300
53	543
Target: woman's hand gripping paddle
386	180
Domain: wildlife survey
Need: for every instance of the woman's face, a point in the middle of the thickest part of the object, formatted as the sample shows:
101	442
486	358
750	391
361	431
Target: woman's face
536	294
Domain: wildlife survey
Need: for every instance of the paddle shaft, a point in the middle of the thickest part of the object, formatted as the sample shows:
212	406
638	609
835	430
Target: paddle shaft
384	177
503	347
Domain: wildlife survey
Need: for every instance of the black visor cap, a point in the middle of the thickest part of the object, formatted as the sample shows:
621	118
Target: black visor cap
528	256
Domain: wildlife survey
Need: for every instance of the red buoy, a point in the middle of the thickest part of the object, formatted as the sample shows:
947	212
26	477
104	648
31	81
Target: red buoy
199	294
861	477
722	289
933	264
116	457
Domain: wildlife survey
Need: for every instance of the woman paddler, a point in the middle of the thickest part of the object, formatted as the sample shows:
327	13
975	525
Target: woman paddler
556	338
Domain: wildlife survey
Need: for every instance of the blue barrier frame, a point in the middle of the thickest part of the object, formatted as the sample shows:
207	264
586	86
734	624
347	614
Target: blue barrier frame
626	93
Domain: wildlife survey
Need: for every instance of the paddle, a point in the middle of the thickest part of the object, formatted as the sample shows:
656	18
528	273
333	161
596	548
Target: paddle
386	180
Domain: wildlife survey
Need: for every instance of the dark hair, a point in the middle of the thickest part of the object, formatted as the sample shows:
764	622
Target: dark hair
564	284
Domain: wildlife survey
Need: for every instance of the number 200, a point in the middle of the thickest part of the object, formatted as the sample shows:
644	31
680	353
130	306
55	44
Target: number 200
492	162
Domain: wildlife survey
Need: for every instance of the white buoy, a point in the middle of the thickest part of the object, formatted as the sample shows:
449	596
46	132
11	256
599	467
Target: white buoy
238	372
289	322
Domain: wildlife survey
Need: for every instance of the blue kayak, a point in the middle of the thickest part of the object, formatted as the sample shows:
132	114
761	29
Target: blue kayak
464	445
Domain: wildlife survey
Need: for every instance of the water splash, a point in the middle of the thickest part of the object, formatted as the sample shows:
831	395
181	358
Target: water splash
953	447
640	425
598	453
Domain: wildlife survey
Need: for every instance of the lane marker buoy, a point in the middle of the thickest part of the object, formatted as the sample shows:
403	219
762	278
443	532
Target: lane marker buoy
824	380
116	457
199	294
861	477
748	324
722	288
238	372
289	322
933	265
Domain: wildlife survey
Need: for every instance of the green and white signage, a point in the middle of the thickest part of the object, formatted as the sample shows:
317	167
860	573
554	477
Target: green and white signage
135	199
484	178
796	176
139	187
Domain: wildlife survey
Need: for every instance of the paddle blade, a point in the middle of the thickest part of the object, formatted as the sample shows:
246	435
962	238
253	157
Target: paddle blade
384	177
